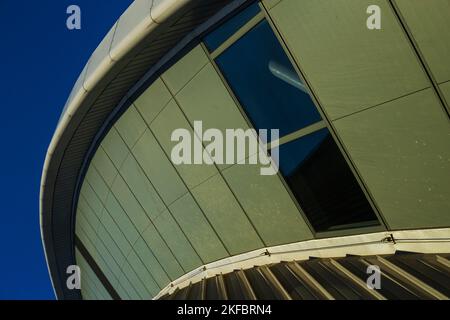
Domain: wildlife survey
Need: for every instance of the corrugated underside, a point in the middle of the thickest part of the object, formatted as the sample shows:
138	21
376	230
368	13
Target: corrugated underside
403	276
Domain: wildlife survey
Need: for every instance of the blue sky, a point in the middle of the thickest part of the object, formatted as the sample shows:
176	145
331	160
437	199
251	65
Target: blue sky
40	60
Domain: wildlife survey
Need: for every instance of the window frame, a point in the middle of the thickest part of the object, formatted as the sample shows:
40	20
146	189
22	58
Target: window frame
315	127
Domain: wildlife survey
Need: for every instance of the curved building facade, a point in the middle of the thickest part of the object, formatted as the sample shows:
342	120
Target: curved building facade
363	147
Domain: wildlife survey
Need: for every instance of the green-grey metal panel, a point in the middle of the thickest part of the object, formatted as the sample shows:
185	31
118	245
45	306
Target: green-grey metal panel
206	98
85	210
117	236
158	168
268	204
270	3
129	280
130	204
88	296
92	201
197	229
177	241
97	183
445	88
104	166
429	22
168	120
349	67
89	277
88	286
113	208
162	252
185	69
153	100
112	254
149	259
123	294
143	273
99	252
141	187
115	148
116	233
226	216
402	151
130	126
104	261
87	222
110	244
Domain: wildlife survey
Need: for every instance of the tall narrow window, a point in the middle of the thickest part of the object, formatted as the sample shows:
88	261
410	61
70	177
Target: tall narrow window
261	75
323	184
271	93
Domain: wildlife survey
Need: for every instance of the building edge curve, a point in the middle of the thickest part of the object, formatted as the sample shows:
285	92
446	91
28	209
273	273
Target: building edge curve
142	46
105	63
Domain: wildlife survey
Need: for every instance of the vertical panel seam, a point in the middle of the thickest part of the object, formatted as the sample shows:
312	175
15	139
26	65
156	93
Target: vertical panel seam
419	55
107	249
137	230
100	275
156	190
352	166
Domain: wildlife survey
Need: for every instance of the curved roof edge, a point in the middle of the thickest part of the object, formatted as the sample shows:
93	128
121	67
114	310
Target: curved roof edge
125	34
102	84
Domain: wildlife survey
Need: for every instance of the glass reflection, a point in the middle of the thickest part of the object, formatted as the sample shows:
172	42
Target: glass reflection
266	84
323	184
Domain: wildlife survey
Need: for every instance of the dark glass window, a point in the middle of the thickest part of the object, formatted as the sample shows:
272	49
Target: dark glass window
222	33
266	84
323	184
268	87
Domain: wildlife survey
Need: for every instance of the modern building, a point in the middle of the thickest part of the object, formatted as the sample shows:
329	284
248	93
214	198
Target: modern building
364	149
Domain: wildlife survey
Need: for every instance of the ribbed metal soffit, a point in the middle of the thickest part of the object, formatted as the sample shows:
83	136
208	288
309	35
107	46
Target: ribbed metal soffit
403	276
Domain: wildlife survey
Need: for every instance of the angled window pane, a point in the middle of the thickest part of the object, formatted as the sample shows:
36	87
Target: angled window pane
266	84
323	184
262	77
226	30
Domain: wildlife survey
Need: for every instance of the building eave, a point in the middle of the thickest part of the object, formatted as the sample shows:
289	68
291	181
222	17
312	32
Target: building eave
118	63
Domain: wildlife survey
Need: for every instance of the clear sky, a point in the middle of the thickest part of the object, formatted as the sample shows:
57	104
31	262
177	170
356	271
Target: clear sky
40	60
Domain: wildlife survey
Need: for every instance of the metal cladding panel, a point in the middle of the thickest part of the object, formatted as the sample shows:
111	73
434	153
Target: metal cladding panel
401	149
445	88
429	24
374	87
349	67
